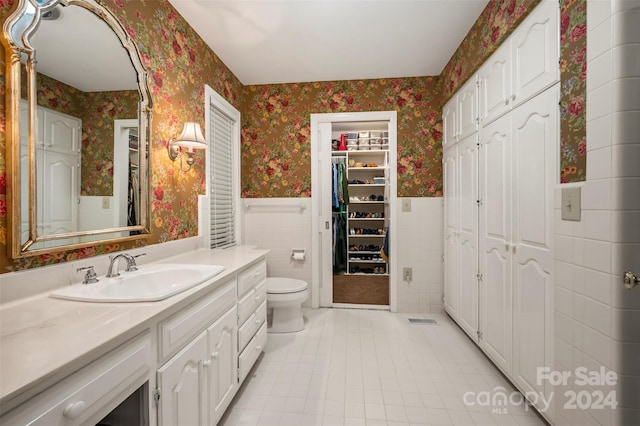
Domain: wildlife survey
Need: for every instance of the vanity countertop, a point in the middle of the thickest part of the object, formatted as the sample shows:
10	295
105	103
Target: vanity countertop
43	339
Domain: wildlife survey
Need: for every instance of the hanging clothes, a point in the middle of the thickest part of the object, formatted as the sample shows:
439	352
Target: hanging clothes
339	242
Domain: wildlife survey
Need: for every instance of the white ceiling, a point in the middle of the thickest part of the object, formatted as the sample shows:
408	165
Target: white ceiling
286	41
82	51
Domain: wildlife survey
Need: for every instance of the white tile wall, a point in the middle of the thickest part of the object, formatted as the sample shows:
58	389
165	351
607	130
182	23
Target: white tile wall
604	317
279	224
420	246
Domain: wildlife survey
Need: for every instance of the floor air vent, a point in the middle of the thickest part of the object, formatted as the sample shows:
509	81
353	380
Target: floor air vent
423	321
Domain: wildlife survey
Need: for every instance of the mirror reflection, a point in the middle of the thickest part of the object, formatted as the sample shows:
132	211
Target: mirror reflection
86	150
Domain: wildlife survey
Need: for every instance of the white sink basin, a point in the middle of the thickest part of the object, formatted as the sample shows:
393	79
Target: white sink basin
149	284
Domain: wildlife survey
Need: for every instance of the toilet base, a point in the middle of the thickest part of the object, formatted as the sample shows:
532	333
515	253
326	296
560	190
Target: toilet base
287	319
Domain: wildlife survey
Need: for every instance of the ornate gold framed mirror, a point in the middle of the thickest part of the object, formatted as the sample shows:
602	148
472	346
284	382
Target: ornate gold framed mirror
78	116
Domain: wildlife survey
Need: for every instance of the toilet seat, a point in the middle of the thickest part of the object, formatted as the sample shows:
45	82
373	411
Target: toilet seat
285	285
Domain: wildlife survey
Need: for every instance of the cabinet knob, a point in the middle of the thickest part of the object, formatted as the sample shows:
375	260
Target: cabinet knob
506	101
215	355
206	363
74	410
257	298
507	246
513	97
258	348
258	322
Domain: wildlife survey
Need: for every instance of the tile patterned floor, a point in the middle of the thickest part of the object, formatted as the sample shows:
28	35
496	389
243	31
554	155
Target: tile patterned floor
373	368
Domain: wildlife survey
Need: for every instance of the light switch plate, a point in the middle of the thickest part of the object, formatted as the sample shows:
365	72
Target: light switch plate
406	204
571	208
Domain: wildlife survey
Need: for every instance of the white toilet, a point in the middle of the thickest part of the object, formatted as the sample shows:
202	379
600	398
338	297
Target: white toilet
285	297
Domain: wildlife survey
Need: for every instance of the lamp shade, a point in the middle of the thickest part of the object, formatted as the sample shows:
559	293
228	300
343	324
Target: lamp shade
191	137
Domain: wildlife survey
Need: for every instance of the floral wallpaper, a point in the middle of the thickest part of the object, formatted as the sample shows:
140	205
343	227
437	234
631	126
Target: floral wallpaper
573	74
99	111
179	64
276	158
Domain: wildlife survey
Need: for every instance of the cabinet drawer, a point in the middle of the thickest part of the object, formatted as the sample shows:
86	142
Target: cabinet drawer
251	301
176	331
246	306
250	354
251	277
248	329
86	396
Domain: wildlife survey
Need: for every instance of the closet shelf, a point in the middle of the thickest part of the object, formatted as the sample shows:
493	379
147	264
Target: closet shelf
367	274
366	236
364	218
368	185
366	202
366	168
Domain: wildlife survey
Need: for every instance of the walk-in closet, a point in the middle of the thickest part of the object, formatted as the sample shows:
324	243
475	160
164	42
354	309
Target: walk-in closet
356	212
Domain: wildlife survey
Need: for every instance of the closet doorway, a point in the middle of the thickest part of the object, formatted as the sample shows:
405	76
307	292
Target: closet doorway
354	192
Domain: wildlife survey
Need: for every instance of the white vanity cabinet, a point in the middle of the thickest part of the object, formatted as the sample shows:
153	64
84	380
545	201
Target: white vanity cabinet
179	361
89	394
252	316
195	384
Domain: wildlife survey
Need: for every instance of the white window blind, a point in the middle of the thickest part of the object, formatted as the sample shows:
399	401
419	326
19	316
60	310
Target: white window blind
223	226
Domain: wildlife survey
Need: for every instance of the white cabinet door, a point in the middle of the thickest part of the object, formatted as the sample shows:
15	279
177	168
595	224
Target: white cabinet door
495	85
450	176
182	386
494	238
535	136
62	132
536	52
223	376
449	123
468	236
58	203
468	108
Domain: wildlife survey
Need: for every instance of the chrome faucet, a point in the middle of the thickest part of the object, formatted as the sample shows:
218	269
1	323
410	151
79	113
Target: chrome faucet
113	260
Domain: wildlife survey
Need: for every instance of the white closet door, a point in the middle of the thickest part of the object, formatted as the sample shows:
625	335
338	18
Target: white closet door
468	235
495	236
535	52
494	96
535	136
325	218
468	108
449	123
450	176
60	201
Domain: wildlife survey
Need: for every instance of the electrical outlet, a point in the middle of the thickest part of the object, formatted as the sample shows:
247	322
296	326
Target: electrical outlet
105	202
407	274
406	204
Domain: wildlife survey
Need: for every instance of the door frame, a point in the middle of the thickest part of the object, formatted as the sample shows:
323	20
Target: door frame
322	287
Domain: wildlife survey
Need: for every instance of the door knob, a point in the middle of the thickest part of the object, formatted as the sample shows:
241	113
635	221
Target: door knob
630	279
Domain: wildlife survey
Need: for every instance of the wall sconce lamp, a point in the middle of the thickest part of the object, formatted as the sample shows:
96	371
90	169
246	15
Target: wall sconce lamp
189	140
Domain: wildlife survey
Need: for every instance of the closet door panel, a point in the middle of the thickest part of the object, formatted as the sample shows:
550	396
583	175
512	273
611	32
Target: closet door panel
531	348
449	124
494	239
536	52
535	140
468	108
450	176
535	136
494	97
468	236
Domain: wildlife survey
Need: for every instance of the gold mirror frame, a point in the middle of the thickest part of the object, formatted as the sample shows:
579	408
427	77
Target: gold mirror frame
17	30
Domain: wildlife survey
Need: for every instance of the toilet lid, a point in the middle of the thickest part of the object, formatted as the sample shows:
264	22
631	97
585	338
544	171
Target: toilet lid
285	285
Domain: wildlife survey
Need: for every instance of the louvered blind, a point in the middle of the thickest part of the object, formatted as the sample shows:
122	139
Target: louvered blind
223	229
